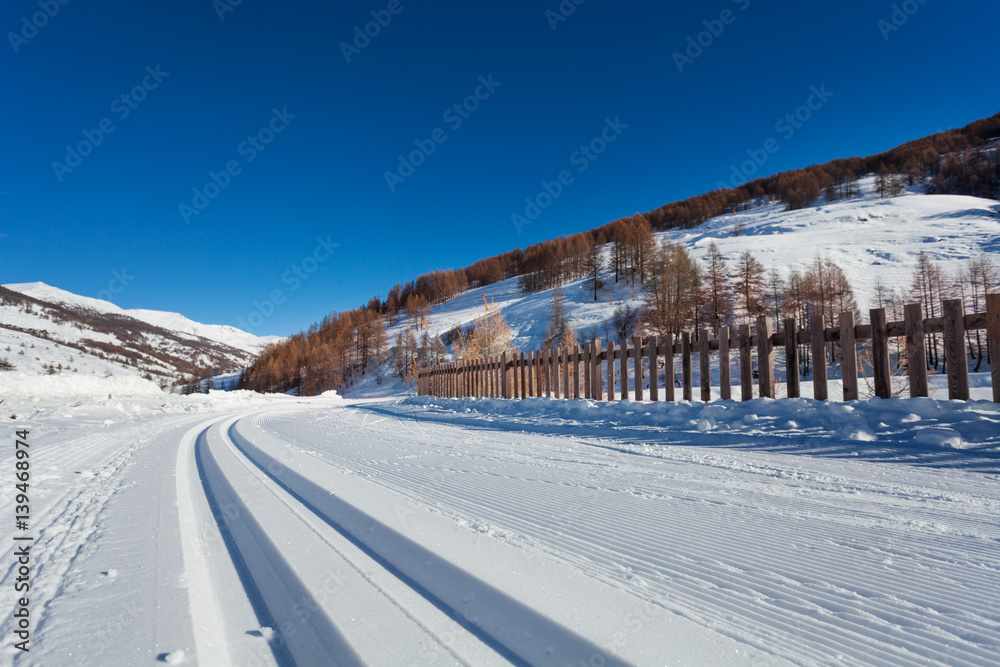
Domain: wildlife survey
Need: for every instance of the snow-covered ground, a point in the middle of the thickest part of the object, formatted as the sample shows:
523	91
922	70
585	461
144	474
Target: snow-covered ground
70	336
237	529
227	335
240	529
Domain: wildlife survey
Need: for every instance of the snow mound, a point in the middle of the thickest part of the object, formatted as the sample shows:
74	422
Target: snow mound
44	386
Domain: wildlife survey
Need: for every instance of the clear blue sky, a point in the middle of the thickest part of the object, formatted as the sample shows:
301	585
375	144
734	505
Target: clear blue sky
323	175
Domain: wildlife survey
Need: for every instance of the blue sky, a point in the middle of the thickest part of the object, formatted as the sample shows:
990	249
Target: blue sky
257	103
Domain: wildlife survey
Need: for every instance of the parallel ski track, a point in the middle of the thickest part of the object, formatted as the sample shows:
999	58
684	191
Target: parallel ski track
693	565
273	561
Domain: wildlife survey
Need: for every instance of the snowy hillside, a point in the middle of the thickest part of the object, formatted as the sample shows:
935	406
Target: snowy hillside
227	335
867	236
46	330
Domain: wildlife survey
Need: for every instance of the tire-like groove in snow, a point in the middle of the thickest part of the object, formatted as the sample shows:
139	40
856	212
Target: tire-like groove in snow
505	623
602	542
283	592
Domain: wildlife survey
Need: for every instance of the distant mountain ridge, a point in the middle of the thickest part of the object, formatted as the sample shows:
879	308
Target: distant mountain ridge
66	332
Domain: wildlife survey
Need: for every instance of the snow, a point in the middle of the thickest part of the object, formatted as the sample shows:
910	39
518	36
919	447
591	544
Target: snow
867	236
373	527
176	322
38	340
48	386
235	528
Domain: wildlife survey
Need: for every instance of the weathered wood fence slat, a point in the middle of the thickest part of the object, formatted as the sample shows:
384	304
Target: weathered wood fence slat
557	373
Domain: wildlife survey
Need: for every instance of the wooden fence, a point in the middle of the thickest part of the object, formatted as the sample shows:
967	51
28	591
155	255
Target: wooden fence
580	373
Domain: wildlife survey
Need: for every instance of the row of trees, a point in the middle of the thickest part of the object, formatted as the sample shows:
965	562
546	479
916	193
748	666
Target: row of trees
330	355
962	161
678	291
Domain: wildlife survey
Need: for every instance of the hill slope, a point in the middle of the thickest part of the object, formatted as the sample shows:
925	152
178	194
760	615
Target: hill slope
44	329
867	236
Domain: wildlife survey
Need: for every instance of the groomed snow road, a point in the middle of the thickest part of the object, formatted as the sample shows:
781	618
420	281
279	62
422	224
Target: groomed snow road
435	532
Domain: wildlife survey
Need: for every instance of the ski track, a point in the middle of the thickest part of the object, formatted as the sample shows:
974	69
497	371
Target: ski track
283	559
70	522
842	600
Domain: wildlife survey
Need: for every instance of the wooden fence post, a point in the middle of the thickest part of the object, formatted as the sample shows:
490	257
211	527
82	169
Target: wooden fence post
588	382
954	350
705	360
993	340
547	372
654	372
529	371
849	356
519	374
637	370
554	361
596	374
566	390
686	374
817	336
725	370
792	359
668	367
575	359
552	372
765	356
746	363
880	352
916	350
611	370
624	369
504	384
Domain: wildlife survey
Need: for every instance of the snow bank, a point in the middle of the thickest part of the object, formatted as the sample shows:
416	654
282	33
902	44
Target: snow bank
906	426
46	386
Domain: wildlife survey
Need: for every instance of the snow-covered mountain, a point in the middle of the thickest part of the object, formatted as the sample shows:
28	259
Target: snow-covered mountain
869	237
44	329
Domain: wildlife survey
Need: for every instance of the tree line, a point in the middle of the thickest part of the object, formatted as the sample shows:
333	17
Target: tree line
678	292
